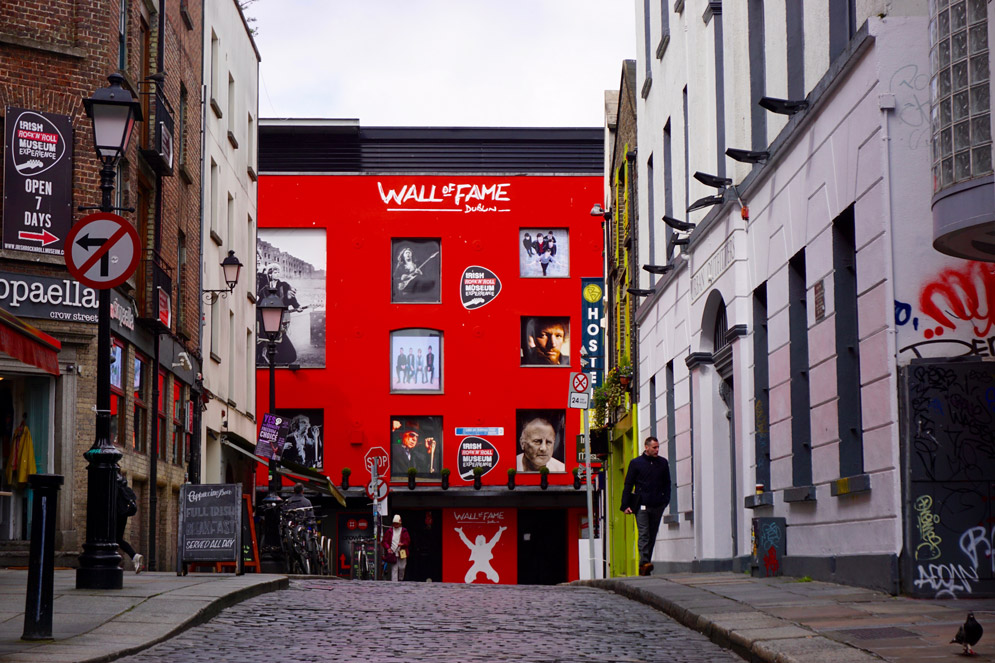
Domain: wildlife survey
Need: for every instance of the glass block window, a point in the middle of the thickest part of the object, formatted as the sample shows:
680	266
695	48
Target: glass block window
960	93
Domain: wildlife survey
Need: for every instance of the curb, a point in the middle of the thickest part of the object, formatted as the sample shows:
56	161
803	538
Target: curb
208	612
787	649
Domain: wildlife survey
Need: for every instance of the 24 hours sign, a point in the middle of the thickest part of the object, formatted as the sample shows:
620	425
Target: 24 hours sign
37	181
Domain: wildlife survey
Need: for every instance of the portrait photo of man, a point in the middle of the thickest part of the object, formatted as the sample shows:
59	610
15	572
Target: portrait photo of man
415	442
540	440
545	341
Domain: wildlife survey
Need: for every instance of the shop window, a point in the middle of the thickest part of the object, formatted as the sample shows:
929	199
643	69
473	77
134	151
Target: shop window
161	433
140	402
178	430
117	393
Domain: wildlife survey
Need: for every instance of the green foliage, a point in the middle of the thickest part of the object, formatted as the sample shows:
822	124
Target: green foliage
512	471
412	471
346	471
445	471
544	470
477	471
804	579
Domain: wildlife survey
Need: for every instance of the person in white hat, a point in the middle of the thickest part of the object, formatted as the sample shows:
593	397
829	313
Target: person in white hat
396	544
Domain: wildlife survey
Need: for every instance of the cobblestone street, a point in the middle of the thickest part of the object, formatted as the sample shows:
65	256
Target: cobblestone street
325	621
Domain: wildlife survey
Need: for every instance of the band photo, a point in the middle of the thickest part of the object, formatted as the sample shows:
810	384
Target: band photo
543	253
416	361
415	441
416	270
291	266
540	435
304	444
545	340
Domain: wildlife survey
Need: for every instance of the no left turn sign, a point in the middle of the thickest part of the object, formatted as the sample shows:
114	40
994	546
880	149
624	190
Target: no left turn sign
102	250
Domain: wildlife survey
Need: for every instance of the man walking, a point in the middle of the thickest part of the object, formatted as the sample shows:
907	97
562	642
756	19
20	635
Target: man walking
647	493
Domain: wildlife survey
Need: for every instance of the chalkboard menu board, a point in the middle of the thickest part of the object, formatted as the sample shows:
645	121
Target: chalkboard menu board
210	527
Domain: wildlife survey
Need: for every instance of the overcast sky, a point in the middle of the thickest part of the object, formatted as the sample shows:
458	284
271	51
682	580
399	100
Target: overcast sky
442	62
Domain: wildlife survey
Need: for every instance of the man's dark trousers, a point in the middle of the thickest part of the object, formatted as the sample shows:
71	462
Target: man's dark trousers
648	524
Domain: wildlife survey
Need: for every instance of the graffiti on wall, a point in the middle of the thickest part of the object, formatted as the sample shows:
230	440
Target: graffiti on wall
950	539
954	316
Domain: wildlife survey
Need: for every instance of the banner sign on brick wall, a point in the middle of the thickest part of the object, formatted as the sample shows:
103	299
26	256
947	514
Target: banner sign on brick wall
37	181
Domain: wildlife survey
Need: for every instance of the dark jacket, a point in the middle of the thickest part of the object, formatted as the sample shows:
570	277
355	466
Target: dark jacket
646	482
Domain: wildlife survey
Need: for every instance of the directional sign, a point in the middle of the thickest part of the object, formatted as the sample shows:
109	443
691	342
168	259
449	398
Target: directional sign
579	382
382	460
102	250
381	490
479	431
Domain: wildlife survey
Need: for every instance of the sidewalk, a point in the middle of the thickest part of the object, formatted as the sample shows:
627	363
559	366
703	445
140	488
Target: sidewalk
101	625
783	620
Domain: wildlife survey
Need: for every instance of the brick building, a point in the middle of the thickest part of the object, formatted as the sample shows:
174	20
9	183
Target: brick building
52	55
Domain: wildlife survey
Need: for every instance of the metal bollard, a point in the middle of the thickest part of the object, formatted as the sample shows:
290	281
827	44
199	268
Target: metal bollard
41	561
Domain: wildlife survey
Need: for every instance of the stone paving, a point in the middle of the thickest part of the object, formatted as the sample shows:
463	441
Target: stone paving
319	620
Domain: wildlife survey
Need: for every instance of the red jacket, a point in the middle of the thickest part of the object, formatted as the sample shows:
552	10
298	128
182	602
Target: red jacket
388	539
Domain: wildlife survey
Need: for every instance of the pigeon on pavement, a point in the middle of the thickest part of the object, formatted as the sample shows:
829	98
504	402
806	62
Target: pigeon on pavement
969	634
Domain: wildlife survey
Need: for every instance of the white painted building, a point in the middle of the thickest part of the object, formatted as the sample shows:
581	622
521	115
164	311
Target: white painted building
779	361
231	115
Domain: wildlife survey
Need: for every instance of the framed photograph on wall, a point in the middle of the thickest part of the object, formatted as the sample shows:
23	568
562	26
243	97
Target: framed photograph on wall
305	436
291	264
416	270
415	441
543	252
416	361
540	435
545	340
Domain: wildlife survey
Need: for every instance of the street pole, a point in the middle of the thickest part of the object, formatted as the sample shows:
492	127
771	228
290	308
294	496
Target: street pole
375	484
274	481
590	494
98	564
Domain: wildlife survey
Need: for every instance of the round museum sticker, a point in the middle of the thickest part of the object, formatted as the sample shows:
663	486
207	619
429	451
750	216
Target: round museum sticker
478	287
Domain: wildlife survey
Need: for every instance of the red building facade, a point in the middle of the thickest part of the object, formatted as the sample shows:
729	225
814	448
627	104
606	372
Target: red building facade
434	282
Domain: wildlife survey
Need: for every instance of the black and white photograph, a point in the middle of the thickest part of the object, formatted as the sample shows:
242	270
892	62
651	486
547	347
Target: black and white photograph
545	340
304	443
415	441
543	252
291	266
416	361
540	435
416	270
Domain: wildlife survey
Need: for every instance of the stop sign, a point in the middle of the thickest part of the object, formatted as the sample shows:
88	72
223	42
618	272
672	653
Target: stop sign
378	456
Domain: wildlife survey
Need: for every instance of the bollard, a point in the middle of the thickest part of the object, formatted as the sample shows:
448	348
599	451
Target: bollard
41	561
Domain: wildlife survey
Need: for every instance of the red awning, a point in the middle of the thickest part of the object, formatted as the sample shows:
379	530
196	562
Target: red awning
28	344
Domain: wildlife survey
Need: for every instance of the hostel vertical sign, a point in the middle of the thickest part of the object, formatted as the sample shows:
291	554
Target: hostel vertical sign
592	353
37	181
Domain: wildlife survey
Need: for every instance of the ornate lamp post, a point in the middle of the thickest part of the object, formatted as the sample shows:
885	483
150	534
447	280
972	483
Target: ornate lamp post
114	112
271	313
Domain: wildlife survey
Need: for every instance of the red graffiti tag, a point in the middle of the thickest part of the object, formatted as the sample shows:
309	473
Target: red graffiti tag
770	562
967	294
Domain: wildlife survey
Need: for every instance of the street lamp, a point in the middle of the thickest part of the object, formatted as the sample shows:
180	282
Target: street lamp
231	267
114	112
272	310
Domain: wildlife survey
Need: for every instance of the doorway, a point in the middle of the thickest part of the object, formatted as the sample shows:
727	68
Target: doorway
542	547
425	529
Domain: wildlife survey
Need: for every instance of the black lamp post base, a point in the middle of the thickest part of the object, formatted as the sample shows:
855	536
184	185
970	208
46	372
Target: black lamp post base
104	578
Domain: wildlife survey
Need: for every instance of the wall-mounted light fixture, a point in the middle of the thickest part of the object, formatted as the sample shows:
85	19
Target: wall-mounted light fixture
603	213
231	268
712	180
658	269
682	226
707	201
639	292
783	106
747	156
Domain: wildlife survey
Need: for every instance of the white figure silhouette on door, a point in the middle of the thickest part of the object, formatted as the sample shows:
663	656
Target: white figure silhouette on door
481	554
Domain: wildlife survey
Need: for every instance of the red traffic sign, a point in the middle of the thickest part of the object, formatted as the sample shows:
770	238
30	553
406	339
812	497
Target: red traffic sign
580	382
102	250
381	491
379	455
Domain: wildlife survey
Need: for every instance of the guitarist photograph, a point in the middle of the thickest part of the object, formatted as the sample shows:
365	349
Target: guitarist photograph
416	271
